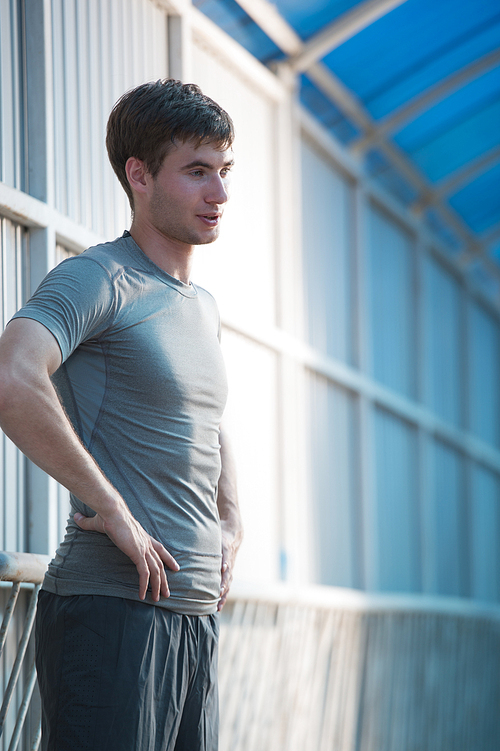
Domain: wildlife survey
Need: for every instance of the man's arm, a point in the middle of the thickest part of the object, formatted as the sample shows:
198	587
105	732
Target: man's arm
33	418
229	512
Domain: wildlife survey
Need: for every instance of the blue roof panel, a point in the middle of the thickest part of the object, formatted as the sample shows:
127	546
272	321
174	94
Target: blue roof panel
459	106
453	148
433	68
413	47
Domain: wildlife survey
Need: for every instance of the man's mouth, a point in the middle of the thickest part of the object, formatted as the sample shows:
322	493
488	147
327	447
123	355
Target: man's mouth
211	219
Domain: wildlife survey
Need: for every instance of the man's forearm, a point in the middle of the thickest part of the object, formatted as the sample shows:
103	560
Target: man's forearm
227	498
229	512
33	418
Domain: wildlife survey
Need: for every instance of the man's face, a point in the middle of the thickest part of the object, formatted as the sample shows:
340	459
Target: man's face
189	193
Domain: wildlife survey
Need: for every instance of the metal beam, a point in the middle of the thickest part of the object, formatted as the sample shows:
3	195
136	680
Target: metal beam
427	98
273	24
338	93
452	183
485	240
340	30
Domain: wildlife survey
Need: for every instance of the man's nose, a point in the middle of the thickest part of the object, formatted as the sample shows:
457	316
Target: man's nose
219	190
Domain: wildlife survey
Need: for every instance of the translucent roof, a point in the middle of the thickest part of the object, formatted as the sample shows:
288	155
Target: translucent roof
411	85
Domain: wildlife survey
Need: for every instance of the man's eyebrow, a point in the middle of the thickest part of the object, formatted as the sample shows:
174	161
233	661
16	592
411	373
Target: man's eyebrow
206	165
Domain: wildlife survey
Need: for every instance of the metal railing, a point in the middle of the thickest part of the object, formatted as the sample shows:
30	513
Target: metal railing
24	571
321	669
331	669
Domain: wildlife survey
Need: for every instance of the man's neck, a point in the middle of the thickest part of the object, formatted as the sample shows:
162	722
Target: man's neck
170	255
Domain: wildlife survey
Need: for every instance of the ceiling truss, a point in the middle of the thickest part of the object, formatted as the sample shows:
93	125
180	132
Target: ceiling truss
304	57
452	183
339	31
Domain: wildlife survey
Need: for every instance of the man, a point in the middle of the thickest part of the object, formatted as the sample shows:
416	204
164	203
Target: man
127	618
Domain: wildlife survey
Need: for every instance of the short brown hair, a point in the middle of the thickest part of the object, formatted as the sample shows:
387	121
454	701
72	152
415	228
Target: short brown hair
147	120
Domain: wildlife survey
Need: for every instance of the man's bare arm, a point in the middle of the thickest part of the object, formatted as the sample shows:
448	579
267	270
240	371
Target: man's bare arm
33	418
229	512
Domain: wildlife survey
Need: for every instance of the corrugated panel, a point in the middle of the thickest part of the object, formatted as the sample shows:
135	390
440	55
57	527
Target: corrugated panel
12	462
485	535
332	478
327	220
449	554
397	526
11	95
239	269
484	358
251	419
443	341
392	305
100	50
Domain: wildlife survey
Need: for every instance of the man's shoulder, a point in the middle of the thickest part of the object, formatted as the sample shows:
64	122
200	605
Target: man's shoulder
112	256
205	295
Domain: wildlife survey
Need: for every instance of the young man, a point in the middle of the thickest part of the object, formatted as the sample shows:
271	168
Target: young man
127	619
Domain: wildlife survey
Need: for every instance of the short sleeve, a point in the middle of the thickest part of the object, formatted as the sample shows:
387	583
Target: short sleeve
75	302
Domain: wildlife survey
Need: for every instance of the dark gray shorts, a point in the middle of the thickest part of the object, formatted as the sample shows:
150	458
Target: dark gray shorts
120	675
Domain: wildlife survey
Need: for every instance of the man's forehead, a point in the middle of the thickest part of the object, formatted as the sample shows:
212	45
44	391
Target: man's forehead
192	153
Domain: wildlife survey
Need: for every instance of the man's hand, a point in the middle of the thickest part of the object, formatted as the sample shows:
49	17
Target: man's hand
148	554
231	526
229	550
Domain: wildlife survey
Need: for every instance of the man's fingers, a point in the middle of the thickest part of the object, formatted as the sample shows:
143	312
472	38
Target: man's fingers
226	579
149	555
158	578
221	602
165	556
143	570
89	523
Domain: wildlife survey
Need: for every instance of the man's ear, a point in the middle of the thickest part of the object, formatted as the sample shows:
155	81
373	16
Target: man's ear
137	174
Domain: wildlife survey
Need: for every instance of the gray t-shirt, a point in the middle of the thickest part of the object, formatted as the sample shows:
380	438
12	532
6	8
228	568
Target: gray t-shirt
143	383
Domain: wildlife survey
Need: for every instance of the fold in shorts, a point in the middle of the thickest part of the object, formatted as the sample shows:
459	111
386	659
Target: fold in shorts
121	675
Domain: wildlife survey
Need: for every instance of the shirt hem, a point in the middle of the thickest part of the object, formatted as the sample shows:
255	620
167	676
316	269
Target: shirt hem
183	606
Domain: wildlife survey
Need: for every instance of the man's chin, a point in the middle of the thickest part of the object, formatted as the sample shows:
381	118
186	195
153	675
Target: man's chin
206	240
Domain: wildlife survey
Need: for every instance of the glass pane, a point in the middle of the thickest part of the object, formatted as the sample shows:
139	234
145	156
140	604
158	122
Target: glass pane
327	220
485	535
396	504
443	337
392	322
484	402
332	472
